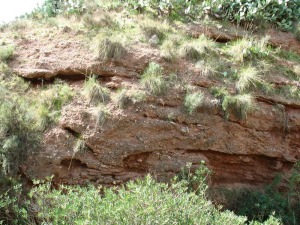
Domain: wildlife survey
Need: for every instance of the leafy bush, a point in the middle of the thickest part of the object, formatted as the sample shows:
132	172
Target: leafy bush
153	80
18	133
177	9
258	205
12	209
283	13
6	53
52	8
143	201
192	101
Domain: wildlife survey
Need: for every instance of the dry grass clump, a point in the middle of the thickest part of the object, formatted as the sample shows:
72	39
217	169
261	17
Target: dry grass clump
91	21
101	113
94	92
107	48
152	79
240	105
248	49
247	78
193	100
197	49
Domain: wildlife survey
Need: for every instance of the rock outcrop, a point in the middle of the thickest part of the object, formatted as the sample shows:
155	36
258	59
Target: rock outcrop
157	135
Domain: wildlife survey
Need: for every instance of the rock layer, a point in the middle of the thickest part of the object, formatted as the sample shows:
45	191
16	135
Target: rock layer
156	136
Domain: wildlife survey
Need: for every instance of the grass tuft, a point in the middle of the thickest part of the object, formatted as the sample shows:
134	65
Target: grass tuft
152	79
248	77
94	92
121	98
108	49
248	49
192	101
96	23
50	102
240	105
195	50
101	113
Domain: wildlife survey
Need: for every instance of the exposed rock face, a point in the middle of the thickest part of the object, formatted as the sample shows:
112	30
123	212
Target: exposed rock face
156	136
161	139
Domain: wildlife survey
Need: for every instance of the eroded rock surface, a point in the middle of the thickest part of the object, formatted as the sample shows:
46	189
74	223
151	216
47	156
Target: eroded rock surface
158	139
157	135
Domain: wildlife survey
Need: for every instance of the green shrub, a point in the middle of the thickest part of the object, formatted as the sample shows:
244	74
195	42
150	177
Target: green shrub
192	101
143	201
6	52
94	92
52	8
258	205
12	209
18	132
297	31
281	13
153	80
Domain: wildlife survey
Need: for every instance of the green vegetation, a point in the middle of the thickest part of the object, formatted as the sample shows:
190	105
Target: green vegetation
297	31
240	105
248	77
6	52
248	50
192	101
143	201
258	205
107	49
152	79
94	92
24	116
280	13
50	102
236	72
197	49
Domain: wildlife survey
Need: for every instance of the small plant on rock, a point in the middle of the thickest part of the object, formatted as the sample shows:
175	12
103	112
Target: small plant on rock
94	92
121	98
248	78
241	105
108	49
197	49
153	80
193	100
248	50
